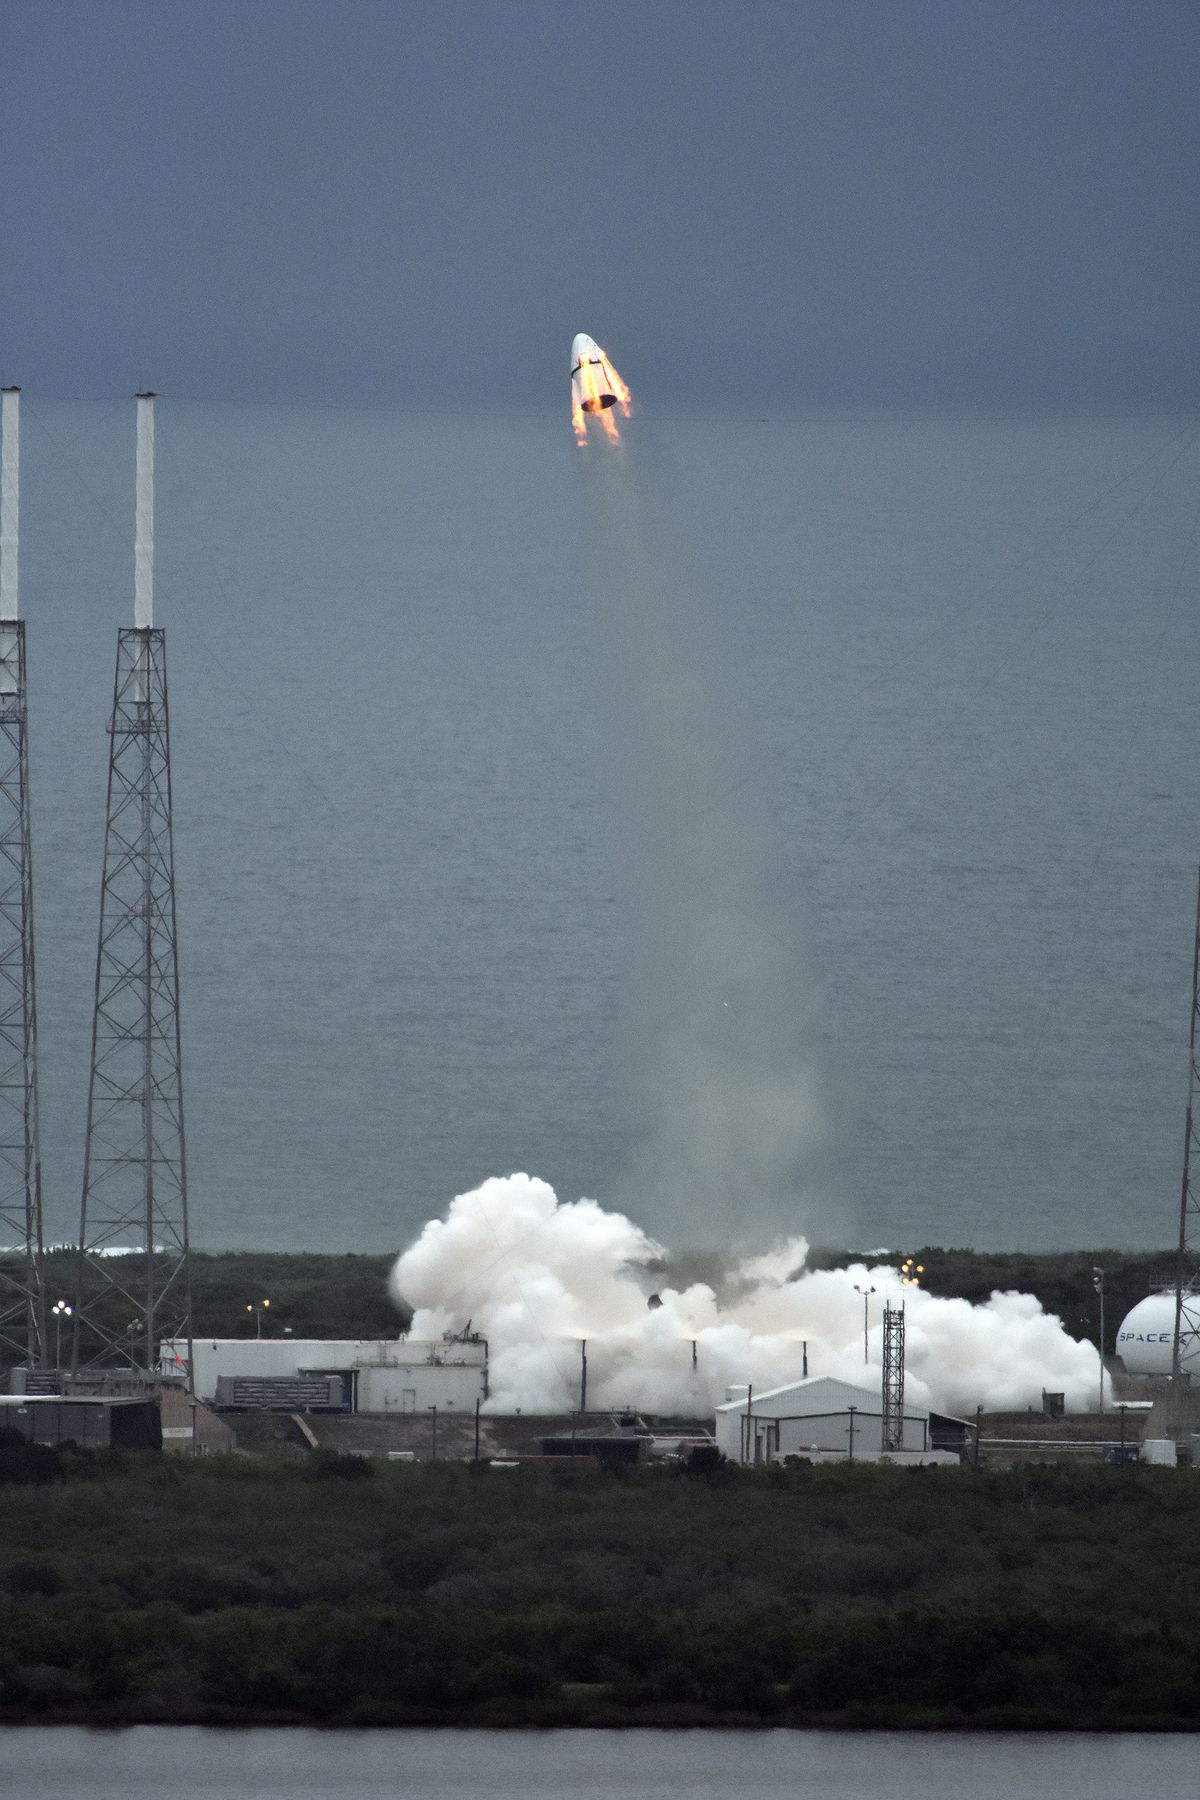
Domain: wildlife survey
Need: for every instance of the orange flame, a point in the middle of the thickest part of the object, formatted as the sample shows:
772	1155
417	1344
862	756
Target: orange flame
600	391
618	386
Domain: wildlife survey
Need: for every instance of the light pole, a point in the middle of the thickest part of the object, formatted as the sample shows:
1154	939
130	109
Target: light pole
257	1310
1098	1284
61	1311
866	1294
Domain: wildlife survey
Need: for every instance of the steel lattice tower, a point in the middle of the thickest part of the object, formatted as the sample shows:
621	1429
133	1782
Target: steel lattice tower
893	1377
135	1178
1187	1269
22	1292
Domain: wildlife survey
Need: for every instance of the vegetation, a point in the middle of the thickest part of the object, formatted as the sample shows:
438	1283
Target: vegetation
310	1295
245	1589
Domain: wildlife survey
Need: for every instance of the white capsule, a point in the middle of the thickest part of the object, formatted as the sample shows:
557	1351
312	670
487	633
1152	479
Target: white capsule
592	387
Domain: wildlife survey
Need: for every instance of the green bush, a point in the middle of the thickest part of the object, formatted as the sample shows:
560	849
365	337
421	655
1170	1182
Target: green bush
250	1590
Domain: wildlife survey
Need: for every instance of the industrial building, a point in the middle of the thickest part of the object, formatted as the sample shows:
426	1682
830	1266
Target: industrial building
385	1375
94	1423
831	1421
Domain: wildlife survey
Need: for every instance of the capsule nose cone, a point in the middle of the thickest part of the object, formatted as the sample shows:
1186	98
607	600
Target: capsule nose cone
583	348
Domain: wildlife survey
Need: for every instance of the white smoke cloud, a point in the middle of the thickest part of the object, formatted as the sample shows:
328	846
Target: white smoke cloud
536	1275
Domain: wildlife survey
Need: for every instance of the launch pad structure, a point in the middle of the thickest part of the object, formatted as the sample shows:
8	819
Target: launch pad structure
893	1377
22	1293
1187	1268
133	1284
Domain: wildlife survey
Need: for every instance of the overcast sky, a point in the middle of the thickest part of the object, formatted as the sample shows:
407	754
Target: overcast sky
812	202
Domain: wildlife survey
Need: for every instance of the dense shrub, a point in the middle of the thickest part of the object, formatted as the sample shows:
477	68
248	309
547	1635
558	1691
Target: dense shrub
337	1465
245	1589
23	1463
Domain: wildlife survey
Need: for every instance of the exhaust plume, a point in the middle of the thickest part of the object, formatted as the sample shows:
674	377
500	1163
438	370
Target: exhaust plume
536	1275
729	1116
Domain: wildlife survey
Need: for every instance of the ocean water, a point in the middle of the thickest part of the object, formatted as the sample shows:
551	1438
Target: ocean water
950	668
186	1763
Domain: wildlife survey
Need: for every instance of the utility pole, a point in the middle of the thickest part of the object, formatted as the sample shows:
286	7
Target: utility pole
866	1294
257	1310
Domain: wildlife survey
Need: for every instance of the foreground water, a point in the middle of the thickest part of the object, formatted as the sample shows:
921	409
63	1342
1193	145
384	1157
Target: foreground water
183	1763
964	657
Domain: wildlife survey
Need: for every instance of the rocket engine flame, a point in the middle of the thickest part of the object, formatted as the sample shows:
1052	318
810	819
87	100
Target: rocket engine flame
596	388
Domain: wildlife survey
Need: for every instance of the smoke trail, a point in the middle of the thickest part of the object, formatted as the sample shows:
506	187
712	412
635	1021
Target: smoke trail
732	1129
536	1275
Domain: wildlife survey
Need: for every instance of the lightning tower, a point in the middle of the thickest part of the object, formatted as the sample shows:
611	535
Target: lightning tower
1187	1268
133	1285
893	1377
22	1292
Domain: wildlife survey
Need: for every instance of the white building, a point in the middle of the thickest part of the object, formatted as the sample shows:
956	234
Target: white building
360	1375
825	1420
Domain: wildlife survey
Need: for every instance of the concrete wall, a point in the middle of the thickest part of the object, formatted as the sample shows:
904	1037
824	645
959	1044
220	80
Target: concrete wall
189	1428
415	1387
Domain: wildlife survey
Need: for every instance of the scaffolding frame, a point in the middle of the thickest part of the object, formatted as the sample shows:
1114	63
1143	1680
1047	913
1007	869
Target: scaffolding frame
893	1377
22	1287
133	1285
1187	1267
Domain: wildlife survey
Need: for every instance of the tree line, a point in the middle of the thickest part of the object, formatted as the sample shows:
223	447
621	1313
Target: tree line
243	1589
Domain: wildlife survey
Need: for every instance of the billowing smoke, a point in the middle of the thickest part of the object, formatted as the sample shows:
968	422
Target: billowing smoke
733	1144
536	1276
729	1120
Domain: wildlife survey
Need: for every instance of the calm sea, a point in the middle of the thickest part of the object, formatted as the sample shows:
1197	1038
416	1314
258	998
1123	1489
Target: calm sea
184	1763
953	662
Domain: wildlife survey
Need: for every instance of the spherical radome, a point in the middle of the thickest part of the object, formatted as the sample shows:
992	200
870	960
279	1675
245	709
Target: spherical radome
1146	1338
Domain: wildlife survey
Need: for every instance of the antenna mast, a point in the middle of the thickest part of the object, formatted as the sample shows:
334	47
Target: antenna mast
134	1281
22	1289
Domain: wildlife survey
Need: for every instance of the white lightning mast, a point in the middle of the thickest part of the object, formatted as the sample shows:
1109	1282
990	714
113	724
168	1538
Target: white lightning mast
143	541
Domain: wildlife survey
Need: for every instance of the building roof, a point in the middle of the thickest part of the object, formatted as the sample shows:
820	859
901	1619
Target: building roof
819	1394
347	1352
77	1399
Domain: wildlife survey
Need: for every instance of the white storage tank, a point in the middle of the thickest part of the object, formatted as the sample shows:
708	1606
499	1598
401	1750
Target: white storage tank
1146	1338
